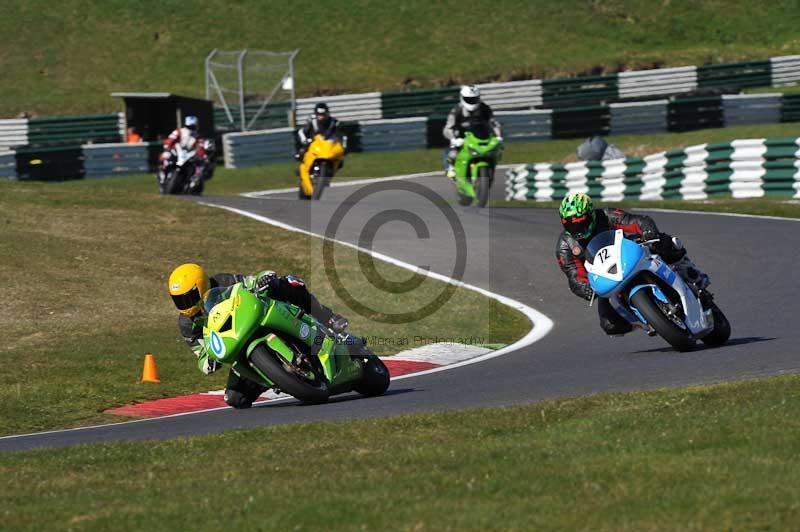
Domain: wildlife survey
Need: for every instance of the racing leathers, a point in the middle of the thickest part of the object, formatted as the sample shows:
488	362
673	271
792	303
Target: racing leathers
241	392
480	122
189	140
314	126
571	255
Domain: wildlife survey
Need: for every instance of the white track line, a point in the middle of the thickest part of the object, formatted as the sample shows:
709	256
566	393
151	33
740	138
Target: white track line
541	323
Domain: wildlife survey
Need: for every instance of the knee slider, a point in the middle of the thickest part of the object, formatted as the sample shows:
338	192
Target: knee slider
237	399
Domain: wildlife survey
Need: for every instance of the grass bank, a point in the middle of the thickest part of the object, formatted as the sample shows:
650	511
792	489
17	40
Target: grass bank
85	265
705	458
66	57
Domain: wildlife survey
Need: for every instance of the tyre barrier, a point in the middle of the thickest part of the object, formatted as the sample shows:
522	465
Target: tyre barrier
746	168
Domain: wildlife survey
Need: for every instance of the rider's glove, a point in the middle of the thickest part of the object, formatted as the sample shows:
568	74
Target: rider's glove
456	143
264	282
668	248
338	323
499	139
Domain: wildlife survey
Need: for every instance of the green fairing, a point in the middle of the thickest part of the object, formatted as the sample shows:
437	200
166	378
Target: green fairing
239	322
474	154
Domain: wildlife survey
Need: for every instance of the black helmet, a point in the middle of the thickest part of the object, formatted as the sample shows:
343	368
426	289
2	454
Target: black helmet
321	109
322	114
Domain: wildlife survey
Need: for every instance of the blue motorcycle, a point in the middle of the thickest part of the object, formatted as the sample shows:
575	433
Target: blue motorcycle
647	293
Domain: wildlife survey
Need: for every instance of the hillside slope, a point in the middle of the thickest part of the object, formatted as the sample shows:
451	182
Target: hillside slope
66	57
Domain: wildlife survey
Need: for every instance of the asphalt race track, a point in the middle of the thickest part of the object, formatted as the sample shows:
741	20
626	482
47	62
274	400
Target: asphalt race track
751	262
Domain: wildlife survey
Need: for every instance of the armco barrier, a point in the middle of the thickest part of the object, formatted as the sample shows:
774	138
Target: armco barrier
657	82
686	114
100	160
732	77
13	132
258	147
785	70
397	134
639	117
790	108
418	102
270	116
522	126
49	164
8	164
746	168
366	106
576	122
579	91
514	95
740	109
74	130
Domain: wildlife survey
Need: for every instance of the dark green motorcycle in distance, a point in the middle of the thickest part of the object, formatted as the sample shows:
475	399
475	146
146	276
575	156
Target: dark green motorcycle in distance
475	164
280	346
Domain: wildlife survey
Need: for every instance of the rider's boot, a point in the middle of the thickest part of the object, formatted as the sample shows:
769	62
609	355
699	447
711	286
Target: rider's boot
451	172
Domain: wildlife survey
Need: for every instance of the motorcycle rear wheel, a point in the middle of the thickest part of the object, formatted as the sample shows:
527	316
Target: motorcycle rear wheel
285	377
680	339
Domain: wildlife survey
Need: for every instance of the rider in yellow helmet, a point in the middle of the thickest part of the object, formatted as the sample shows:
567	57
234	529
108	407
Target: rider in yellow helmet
187	285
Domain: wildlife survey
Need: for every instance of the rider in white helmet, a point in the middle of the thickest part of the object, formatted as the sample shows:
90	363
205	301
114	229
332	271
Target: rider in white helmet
465	116
189	139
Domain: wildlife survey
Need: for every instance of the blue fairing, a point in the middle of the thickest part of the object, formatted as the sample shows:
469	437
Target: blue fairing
601	285
631	253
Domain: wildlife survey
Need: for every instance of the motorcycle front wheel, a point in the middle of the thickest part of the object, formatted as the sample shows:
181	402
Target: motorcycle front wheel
484	185
376	377
172	182
677	336
324	176
288	378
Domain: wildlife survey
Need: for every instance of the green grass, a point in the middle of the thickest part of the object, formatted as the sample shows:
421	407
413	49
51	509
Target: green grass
66	57
85	265
721	457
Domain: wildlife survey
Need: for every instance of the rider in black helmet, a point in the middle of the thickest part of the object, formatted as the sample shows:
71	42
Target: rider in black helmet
322	123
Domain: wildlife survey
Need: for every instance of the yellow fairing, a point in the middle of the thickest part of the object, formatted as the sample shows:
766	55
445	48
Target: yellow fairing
321	148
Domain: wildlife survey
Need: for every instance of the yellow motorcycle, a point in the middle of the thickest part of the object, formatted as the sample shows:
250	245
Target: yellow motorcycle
322	160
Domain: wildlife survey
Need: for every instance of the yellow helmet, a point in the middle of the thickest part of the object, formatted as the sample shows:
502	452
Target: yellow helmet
188	283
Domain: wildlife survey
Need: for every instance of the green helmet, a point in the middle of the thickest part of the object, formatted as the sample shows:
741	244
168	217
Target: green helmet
577	215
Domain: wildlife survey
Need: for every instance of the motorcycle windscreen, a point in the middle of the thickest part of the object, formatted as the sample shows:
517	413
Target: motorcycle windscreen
620	261
480	129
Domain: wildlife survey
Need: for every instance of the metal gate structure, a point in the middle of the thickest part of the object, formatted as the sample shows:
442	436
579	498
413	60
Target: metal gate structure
254	89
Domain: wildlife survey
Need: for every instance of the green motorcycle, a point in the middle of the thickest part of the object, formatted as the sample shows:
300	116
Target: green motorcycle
474	166
279	345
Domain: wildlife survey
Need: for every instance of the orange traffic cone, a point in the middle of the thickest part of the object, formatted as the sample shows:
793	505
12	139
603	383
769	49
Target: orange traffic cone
149	373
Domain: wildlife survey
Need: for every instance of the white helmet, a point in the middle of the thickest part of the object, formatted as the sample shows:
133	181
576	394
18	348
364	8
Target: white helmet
190	122
470	97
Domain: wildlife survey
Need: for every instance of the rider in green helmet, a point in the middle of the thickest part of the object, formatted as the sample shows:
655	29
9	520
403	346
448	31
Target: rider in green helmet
581	222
